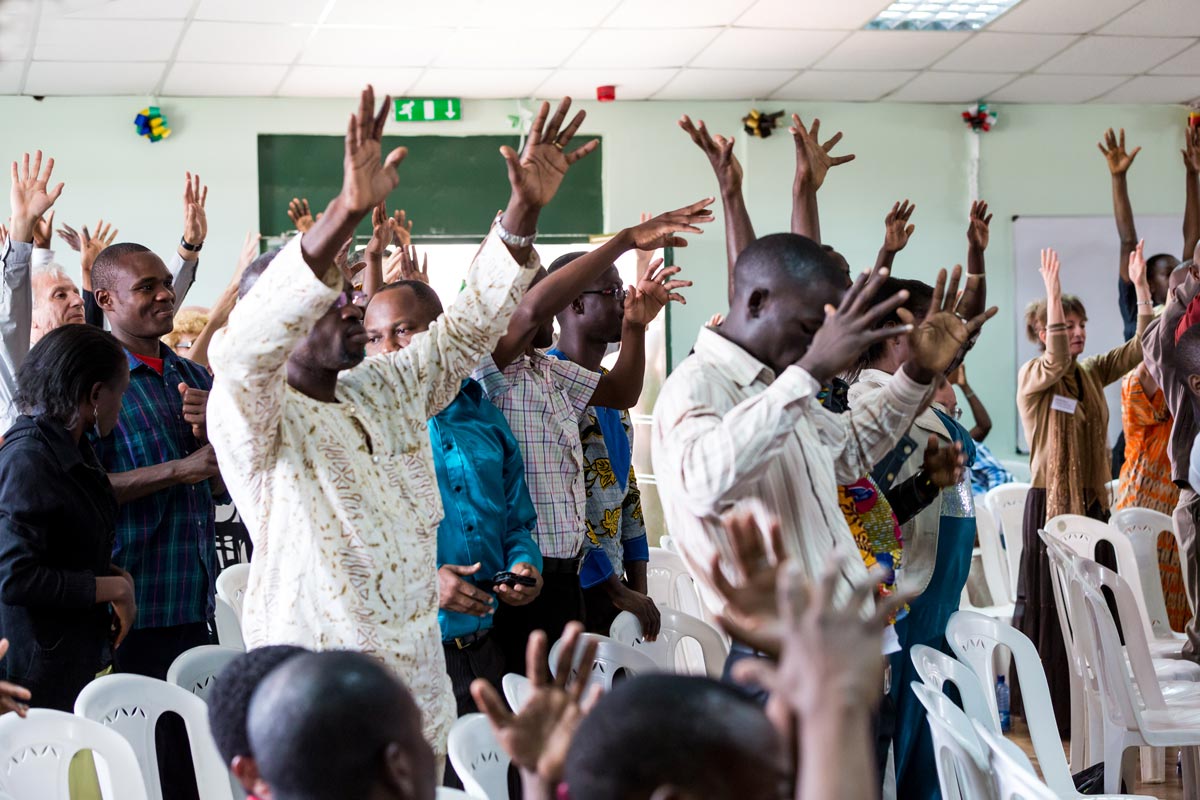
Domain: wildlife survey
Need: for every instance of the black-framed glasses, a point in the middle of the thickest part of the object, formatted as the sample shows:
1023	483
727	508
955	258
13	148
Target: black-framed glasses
357	298
616	292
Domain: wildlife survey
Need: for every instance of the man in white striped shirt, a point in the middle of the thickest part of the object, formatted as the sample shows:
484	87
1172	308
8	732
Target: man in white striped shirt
738	423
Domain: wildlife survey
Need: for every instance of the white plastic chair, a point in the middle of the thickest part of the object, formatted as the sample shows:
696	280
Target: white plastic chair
479	761
36	754
517	689
961	763
669	583
936	668
231	589
1007	504
667	542
1143	526
229	626
995	564
196	670
1081	535
612	659
131	705
1111	488
677	629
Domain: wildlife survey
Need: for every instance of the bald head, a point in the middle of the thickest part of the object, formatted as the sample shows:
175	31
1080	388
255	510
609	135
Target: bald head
338	726
785	259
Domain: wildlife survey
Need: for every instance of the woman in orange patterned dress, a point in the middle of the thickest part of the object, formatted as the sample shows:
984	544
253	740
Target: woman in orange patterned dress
1146	477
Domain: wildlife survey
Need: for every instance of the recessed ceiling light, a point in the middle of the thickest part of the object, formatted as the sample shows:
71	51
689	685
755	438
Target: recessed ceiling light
940	15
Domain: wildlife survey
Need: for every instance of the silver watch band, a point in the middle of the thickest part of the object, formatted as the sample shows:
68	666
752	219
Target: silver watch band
510	238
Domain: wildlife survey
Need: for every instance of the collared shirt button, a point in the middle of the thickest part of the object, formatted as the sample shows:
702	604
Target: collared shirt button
891	476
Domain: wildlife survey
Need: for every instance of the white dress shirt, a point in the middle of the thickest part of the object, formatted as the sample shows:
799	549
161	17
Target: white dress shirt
729	433
341	498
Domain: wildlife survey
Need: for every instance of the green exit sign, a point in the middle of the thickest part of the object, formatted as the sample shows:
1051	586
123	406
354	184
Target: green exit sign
428	109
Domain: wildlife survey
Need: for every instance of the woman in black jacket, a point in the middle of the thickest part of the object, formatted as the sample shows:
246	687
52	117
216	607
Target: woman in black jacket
57	515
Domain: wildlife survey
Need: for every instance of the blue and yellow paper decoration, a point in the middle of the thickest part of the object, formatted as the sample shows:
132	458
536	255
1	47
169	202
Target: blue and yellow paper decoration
151	123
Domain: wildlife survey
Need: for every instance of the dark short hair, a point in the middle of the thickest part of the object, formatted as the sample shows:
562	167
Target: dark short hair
229	700
788	256
254	271
693	733
1187	351
563	260
1168	261
107	265
61	369
1035	315
426	296
920	298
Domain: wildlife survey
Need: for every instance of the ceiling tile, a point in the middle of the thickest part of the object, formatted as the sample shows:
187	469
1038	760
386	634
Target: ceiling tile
531	15
632	84
833	85
950	87
246	42
305	81
846	15
483	48
1154	89
1113	55
1060	16
479	82
409	14
1000	52
121	9
105	40
10	76
675	13
626	49
223	80
724	84
1056	88
1158	18
304	12
1186	63
884	50
84	78
756	48
362	47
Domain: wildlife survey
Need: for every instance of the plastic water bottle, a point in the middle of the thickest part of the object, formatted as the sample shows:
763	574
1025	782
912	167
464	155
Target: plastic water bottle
1002	705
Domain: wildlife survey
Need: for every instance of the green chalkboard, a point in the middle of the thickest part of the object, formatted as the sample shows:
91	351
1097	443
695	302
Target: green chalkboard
451	186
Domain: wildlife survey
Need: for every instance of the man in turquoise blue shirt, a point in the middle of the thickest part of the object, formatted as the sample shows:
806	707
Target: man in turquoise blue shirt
488	517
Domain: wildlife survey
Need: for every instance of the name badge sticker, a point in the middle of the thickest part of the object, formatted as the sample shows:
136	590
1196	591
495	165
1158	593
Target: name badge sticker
1066	405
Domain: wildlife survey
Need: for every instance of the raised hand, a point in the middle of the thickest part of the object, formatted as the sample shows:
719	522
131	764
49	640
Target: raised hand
300	214
402	266
660	231
653	292
12	697
381	231
719	150
1113	148
644	257
896	228
944	466
91	247
43	232
248	253
29	197
538	171
195	222
850	329
538	736
814	159
1191	150
1137	265
367	180
401	228
977	227
4	235
1049	272
751	613
935	344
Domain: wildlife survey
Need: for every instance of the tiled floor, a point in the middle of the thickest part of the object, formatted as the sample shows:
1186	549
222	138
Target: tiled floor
1172	789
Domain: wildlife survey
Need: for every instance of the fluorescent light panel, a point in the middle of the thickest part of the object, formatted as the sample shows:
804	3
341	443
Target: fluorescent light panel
939	15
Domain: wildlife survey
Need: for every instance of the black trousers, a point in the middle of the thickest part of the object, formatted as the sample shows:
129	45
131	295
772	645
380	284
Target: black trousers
481	659
599	609
150	651
560	602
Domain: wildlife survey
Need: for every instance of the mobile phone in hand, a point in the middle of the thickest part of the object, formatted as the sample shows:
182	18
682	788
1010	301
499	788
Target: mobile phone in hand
511	579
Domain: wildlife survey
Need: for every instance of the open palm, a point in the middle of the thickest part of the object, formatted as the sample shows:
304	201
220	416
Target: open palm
30	195
367	180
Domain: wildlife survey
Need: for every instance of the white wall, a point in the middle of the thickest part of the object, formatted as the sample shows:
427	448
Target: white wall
1040	160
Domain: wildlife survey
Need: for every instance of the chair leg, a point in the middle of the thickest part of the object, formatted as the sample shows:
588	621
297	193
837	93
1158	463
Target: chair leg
1093	746
1114	750
1079	731
1189	759
1154	764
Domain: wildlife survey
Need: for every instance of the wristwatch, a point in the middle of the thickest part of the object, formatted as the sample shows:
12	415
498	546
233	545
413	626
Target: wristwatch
193	248
510	238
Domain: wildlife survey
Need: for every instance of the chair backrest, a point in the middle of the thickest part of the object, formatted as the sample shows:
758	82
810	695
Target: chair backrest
517	689
36	753
1111	488
936	668
131	705
196	670
1012	773
974	638
1142	527
1082	534
478	759
229	626
1060	558
670	584
1007	503
668	650
613	660
961	761
667	542
995	562
1117	696
231	586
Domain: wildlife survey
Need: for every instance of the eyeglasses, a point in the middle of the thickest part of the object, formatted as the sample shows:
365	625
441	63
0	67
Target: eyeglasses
359	299
616	292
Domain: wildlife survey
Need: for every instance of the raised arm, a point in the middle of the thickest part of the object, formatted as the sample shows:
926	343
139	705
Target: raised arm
813	160
218	315
373	253
553	293
896	232
1119	162
1191	209
983	420
186	259
1110	367
739	231
1049	368
974	296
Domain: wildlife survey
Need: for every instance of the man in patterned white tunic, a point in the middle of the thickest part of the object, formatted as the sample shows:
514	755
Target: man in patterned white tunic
327	456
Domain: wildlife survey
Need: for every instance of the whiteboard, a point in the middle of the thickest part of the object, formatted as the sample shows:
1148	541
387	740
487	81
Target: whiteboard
1088	250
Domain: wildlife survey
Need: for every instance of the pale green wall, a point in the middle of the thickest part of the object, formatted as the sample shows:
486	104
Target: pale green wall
1040	160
